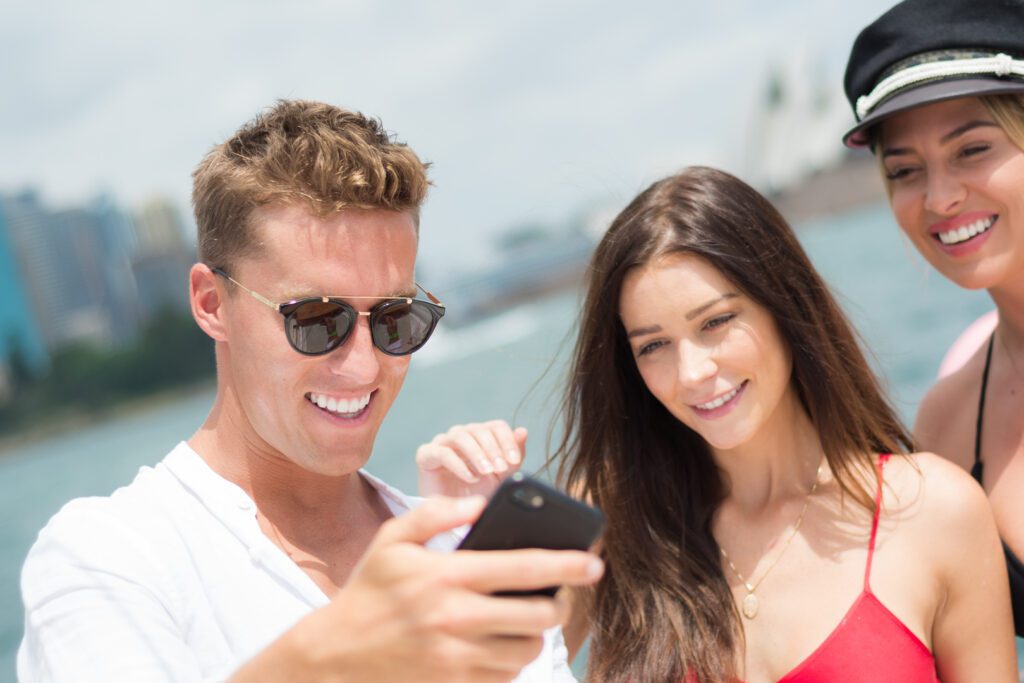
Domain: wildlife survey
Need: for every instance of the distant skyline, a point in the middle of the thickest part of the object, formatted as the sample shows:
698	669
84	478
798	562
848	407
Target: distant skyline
529	111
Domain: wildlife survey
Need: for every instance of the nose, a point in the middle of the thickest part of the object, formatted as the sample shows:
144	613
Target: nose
944	192
696	364
357	359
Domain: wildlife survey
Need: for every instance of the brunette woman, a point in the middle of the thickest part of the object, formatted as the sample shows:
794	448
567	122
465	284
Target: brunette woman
938	90
765	521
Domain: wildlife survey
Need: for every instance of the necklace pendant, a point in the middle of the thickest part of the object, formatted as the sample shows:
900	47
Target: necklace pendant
749	606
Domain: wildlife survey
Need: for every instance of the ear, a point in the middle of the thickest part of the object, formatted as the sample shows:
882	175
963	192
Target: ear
206	298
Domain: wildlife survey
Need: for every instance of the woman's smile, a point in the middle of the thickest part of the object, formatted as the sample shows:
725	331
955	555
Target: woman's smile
721	405
963	231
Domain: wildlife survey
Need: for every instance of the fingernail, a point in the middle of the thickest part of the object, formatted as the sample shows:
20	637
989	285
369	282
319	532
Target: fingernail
595	568
500	466
513	456
485	467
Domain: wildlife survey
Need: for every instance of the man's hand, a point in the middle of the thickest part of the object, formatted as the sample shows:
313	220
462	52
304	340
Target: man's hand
409	613
470	459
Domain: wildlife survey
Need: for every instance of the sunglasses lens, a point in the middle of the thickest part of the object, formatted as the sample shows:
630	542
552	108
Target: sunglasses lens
317	327
401	327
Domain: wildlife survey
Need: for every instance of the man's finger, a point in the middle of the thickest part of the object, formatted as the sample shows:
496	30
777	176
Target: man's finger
507	654
489	571
432	517
507	616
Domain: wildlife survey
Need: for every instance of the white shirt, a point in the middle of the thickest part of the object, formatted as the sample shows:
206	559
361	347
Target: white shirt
171	579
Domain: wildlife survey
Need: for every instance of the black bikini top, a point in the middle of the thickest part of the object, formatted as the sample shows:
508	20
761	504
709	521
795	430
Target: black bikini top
1013	563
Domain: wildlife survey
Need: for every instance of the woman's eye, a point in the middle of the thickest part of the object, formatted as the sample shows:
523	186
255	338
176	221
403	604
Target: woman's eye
974	150
898	173
649	347
718	321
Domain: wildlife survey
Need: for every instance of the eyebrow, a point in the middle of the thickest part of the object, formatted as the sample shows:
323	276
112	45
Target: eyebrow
705	306
952	135
970	125
651	329
641	331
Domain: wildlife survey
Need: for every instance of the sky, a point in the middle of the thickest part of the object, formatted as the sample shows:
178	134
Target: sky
529	111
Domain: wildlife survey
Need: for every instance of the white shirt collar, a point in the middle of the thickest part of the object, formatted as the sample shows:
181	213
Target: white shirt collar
237	511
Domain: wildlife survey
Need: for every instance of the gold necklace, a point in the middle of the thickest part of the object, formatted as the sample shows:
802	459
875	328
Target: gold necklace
750	603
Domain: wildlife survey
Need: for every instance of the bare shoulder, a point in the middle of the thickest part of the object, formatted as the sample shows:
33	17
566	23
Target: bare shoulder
938	482
937	499
952	545
947	416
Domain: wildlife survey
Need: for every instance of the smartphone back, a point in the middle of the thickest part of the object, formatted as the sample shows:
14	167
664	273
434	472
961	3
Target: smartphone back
527	513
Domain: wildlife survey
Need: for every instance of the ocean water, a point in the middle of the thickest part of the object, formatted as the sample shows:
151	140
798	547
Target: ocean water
508	366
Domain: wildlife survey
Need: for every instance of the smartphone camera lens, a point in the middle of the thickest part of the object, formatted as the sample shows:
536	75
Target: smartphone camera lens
528	497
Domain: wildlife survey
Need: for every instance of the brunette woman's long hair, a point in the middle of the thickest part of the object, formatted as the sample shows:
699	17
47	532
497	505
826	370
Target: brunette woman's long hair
664	610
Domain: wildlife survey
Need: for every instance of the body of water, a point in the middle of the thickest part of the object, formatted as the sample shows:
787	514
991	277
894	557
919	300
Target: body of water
509	366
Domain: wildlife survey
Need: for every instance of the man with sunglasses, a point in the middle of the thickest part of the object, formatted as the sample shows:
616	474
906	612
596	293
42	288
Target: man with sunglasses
258	550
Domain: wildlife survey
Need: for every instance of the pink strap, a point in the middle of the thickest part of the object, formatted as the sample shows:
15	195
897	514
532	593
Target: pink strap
874	522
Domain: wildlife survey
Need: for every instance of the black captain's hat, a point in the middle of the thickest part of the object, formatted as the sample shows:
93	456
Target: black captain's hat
924	51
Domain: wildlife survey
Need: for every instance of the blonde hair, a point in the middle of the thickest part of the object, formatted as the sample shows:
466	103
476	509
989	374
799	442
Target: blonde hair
1008	111
300	152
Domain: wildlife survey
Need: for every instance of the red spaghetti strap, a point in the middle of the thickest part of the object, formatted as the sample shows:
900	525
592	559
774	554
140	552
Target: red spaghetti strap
874	522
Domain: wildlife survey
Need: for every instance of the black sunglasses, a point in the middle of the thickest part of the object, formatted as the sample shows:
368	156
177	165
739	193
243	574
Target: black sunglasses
318	325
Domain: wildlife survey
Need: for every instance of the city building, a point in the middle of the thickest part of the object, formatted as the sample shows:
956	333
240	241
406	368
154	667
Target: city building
21	345
162	259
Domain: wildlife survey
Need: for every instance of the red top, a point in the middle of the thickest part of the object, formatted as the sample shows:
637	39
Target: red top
870	643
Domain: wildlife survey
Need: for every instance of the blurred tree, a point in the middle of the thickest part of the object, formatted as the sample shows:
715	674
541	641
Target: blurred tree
19	371
88	380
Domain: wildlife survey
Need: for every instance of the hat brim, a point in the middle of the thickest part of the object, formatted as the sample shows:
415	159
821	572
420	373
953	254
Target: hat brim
858	136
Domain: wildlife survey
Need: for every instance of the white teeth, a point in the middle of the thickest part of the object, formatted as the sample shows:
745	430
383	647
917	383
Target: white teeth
966	232
720	401
340	406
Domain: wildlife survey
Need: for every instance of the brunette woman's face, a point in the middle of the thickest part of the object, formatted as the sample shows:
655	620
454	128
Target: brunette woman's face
956	185
711	355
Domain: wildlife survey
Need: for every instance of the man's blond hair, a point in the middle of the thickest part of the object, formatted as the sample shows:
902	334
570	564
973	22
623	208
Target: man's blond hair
299	153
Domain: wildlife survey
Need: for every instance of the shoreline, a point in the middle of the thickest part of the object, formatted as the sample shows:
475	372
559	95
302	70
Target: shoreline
835	190
78	418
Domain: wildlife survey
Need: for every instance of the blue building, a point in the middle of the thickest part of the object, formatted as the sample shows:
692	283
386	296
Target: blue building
76	270
84	274
19	328
162	259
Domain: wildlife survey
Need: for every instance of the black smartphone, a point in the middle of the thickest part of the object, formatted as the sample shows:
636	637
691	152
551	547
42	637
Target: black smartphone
526	513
